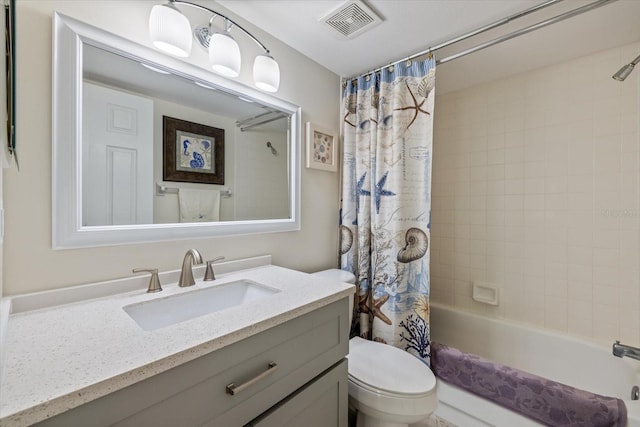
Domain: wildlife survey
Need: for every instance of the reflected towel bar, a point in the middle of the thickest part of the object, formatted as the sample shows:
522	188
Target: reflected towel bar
161	190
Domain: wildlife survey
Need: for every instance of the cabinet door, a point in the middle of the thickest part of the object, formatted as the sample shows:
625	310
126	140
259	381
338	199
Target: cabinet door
320	403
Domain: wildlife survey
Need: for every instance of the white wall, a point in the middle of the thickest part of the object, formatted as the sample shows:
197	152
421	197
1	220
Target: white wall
536	189
28	192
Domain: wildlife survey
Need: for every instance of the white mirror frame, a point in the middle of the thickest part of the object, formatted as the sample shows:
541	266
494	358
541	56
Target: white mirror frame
67	231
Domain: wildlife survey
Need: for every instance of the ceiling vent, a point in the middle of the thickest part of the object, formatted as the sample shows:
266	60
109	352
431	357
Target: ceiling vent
352	19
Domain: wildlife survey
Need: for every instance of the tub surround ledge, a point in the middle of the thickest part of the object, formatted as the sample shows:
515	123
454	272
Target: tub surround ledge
62	356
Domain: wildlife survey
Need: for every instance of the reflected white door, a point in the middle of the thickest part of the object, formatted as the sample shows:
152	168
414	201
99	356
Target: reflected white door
117	157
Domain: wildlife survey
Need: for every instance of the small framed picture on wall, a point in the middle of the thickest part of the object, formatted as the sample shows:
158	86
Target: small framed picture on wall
322	148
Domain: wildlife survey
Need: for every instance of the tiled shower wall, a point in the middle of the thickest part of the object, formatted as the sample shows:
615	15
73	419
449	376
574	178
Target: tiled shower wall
536	190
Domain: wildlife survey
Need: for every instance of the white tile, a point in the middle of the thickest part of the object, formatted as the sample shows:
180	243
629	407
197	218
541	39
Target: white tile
580	183
555	201
534	218
478	158
534	202
514	139
580	255
495	188
534	169
514	202
514	171
495	157
514	218
514	154
495	172
495	141
514	186
534	185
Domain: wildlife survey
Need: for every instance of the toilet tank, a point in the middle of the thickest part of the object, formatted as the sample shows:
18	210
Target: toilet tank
337	275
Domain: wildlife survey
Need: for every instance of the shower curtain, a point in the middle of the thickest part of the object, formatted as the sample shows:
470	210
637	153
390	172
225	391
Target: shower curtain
386	201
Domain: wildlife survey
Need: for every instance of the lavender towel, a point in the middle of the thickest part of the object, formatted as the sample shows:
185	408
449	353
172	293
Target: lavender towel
542	400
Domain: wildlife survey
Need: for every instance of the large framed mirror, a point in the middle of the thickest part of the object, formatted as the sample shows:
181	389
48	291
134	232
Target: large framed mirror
112	100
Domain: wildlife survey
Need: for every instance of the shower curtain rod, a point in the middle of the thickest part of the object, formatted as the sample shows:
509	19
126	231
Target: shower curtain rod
497	40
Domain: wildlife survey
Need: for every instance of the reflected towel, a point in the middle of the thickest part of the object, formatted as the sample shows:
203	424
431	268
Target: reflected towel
199	205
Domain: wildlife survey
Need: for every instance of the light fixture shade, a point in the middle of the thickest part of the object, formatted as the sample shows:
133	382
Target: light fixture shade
170	30
266	73
224	55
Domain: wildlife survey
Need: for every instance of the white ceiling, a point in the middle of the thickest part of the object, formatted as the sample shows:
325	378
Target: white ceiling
411	26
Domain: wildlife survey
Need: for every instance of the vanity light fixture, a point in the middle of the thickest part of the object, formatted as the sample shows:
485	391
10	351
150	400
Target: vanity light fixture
170	31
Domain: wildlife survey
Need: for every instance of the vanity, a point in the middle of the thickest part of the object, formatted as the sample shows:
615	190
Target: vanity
76	357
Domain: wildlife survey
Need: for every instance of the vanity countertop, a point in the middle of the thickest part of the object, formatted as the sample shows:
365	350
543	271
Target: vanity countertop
60	357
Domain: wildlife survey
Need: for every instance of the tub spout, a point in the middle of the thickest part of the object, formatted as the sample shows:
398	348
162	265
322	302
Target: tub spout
621	350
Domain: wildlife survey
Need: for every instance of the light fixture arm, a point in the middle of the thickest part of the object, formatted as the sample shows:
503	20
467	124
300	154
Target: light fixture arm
226	18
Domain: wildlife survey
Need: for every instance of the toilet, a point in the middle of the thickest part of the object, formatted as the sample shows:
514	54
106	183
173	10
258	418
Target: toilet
388	387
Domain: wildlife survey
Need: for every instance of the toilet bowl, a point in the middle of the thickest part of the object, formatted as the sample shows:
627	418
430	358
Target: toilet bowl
388	387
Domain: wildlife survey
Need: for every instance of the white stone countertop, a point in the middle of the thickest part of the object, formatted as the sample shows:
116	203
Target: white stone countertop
59	357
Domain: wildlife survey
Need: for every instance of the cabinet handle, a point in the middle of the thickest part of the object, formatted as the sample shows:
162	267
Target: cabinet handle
233	389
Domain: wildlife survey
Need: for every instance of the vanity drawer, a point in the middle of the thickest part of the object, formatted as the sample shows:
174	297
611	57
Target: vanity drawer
195	393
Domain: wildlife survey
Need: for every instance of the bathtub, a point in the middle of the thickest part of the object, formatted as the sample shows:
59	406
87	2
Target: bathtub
551	355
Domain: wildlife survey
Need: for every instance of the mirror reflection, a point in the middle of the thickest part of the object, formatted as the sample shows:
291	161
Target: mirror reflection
226	159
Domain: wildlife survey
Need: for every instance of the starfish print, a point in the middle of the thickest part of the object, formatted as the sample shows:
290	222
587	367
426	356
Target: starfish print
391	162
347	121
380	191
417	107
375	311
361	192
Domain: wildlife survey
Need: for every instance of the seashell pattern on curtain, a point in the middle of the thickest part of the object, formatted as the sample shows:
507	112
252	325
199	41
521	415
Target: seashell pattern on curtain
387	134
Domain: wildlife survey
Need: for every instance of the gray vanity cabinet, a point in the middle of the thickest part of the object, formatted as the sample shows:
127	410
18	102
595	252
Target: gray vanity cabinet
307	386
317	404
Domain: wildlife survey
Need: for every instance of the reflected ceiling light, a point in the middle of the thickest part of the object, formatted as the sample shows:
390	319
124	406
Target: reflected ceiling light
204	85
156	69
624	72
169	30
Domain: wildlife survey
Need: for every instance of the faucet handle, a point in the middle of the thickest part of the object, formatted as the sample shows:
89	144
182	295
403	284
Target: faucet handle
208	273
154	281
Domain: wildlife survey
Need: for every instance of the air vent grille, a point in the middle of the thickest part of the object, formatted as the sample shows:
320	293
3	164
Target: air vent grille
352	19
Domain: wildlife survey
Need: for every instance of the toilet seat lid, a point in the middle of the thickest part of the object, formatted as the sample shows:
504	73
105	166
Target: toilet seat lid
387	368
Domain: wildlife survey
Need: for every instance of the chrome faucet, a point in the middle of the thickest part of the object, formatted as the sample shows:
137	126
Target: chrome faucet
186	274
621	350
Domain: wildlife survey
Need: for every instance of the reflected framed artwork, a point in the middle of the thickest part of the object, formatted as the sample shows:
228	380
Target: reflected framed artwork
192	152
322	148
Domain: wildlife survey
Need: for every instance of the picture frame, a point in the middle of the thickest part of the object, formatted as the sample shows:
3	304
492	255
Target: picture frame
322	148
192	152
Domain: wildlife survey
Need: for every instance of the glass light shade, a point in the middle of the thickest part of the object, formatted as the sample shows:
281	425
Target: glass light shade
266	73
224	55
170	30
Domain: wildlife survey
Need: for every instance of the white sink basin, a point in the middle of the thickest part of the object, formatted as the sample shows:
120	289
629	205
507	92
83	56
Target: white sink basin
161	312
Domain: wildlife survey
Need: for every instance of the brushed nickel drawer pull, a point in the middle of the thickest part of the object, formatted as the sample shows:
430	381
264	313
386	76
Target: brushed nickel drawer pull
233	389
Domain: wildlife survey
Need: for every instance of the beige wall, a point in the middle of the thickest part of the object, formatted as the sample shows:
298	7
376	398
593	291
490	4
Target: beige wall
31	264
535	189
